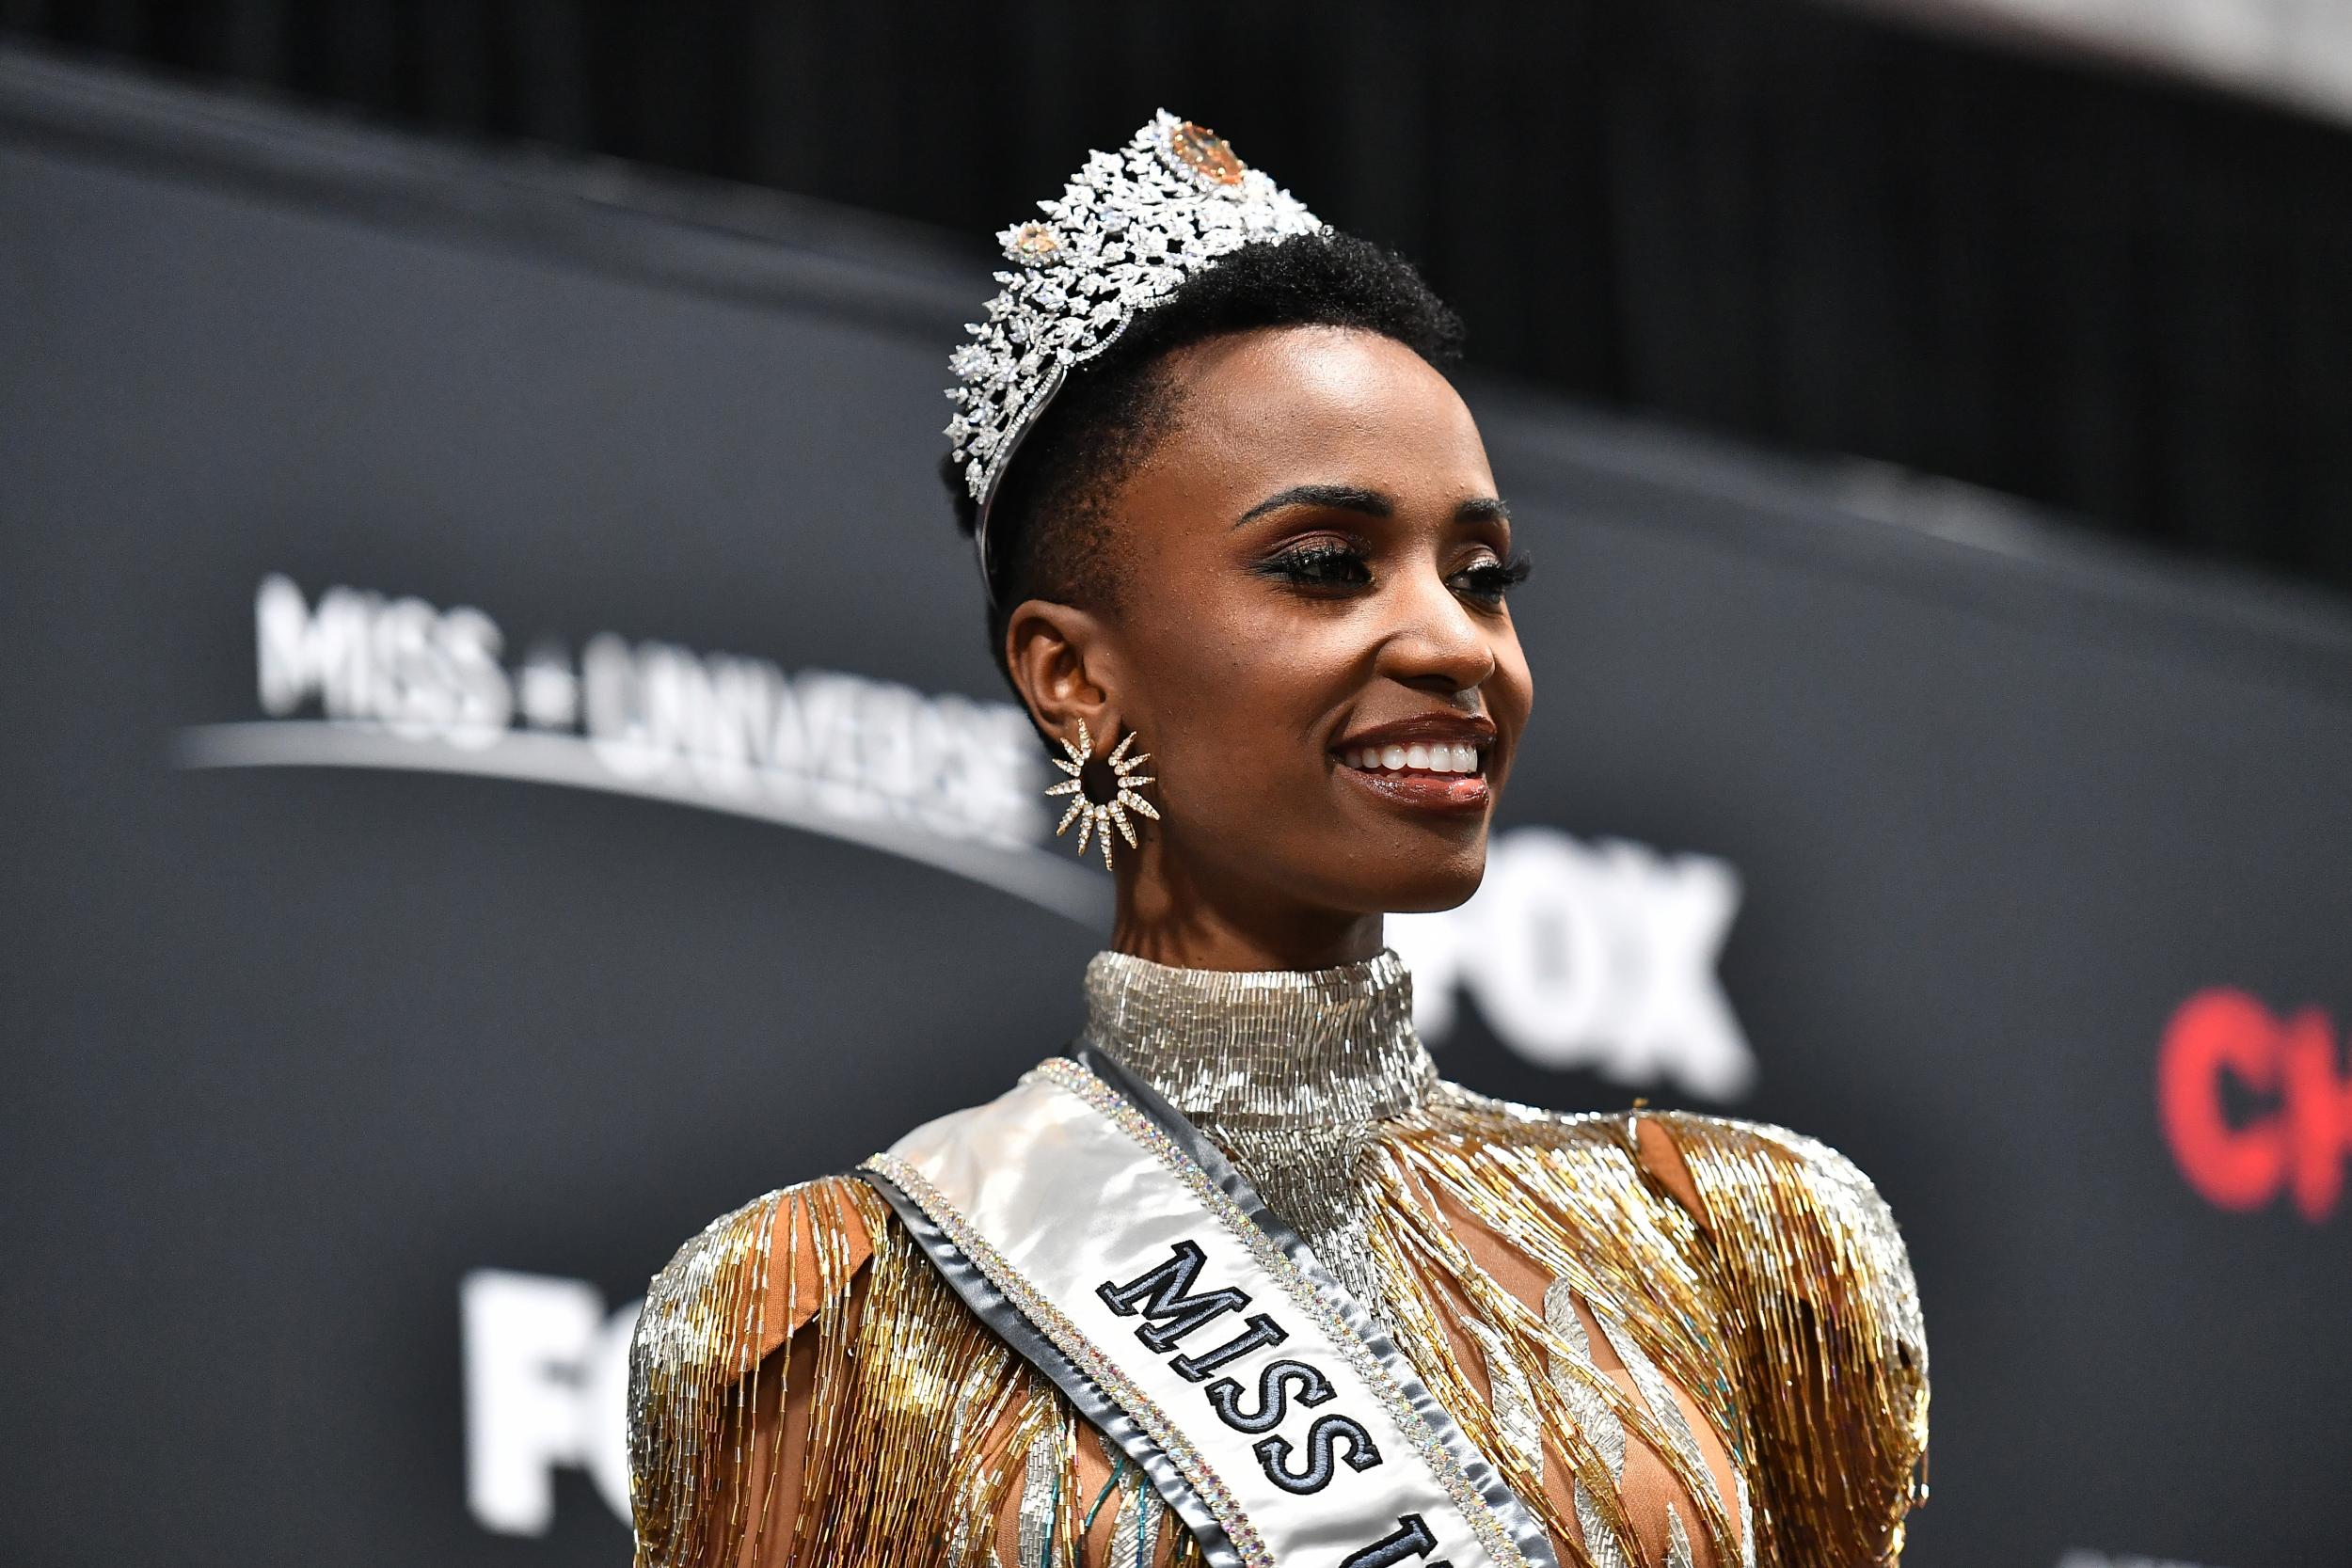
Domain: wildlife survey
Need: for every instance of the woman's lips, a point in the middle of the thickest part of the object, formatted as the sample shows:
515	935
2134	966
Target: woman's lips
1431	775
1462	792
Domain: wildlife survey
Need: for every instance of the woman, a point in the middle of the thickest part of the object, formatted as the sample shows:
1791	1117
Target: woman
1242	1280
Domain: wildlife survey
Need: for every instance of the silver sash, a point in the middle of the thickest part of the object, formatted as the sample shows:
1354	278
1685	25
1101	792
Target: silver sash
1111	1244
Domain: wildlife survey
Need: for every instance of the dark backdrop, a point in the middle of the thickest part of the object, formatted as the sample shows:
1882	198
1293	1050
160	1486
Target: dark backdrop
1793	224
350	1104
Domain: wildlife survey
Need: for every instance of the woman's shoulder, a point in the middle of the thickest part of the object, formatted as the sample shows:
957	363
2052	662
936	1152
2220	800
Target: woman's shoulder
757	1274
756	1310
1702	1161
1797	1200
1817	1282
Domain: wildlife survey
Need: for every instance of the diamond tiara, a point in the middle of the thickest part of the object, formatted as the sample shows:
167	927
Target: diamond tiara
1128	229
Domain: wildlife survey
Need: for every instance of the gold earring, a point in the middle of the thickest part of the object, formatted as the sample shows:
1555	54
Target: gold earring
1097	817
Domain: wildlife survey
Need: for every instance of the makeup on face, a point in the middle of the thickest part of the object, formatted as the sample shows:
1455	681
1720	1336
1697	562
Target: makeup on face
1319	642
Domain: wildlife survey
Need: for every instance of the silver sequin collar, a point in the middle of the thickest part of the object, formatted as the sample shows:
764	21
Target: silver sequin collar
1329	1046
1292	1074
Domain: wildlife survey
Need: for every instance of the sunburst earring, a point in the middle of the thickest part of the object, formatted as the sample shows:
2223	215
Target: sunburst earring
1096	819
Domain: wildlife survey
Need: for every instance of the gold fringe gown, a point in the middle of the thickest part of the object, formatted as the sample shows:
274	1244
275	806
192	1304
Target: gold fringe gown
1687	1342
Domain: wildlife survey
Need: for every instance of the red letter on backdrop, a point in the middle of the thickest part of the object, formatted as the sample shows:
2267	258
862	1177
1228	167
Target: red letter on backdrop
2233	1167
2221	1031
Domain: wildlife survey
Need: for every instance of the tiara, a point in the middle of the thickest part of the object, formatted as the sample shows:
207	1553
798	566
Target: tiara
1128	229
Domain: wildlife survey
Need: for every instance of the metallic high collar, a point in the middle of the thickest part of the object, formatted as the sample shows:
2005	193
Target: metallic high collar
1262	1050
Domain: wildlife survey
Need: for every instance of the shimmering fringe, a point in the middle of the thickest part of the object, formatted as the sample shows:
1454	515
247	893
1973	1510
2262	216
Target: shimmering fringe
1790	1317
1789	1320
1842	1437
1416	1247
920	1422
690	1376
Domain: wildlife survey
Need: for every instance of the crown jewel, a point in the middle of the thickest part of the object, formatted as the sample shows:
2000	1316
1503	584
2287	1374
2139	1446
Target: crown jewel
1128	229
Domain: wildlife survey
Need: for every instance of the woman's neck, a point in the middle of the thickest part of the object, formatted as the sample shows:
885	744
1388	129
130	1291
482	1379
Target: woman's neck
1196	930
1193	947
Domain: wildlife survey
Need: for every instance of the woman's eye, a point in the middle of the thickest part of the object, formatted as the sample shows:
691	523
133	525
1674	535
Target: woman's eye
1489	580
1320	566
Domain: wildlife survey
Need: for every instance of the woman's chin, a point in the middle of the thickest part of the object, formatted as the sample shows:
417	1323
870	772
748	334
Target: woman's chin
1426	889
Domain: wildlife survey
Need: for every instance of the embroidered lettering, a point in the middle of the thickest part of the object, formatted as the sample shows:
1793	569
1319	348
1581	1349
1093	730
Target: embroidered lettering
1410	1539
1327	1432
1167	1299
1274	1397
1262	1331
1164	1295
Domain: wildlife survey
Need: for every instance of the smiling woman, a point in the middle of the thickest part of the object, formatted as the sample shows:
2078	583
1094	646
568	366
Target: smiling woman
1240	1280
1310	565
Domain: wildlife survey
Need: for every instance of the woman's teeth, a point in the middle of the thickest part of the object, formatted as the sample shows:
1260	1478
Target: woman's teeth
1415	759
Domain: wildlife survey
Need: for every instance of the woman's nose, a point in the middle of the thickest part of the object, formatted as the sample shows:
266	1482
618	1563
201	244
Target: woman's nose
1435	644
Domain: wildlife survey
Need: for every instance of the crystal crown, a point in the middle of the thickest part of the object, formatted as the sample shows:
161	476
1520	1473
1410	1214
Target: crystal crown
1127	229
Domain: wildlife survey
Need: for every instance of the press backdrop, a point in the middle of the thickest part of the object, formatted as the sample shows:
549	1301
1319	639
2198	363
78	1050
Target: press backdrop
502	766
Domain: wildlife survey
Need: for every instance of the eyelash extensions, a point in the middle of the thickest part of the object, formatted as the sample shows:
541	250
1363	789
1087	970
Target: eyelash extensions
1328	564
1493	580
1319	563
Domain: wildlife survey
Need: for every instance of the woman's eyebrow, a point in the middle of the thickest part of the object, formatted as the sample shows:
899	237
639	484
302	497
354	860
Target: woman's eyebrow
1338	498
1483	509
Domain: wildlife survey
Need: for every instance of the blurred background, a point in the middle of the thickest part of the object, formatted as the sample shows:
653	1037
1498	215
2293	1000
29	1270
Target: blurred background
504	765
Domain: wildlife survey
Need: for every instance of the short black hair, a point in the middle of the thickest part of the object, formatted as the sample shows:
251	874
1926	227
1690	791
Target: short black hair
1046	538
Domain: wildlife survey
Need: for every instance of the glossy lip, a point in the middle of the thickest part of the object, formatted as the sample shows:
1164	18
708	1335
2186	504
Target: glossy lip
1430	792
1449	793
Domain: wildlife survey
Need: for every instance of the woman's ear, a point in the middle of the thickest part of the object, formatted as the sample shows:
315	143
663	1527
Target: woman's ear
1064	667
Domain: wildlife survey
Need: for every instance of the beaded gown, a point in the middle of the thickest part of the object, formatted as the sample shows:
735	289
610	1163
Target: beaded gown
1687	1342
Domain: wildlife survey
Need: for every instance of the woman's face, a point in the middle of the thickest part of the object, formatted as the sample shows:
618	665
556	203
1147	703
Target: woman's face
1312	638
